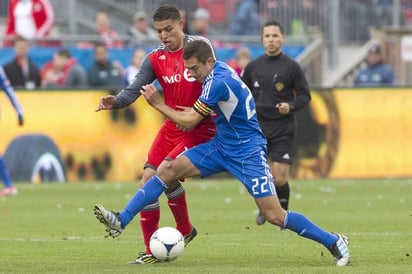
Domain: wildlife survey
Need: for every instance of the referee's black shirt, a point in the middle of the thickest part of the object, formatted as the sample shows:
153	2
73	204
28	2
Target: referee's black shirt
276	79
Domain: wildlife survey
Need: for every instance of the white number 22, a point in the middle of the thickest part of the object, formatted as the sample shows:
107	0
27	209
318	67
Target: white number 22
263	185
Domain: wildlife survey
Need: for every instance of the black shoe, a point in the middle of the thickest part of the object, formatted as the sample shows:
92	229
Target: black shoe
189	237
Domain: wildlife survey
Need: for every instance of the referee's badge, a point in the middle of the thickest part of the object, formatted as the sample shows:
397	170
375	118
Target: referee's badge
279	86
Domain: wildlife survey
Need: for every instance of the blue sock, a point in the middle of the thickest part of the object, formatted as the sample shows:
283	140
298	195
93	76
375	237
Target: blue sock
4	174
305	228
148	193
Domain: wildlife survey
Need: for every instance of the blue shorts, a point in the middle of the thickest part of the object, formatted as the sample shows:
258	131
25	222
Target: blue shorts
246	163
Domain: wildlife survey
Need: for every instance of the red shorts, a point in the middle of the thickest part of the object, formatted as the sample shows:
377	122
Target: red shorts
170	142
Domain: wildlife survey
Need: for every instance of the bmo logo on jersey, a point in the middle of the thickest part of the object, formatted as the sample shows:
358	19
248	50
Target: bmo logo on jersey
177	78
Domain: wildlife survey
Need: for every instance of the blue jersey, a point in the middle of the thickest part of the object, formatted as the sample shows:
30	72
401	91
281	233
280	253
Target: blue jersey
239	146
6	86
233	105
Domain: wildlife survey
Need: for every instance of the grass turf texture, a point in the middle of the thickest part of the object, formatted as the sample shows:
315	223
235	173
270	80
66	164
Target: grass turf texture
50	228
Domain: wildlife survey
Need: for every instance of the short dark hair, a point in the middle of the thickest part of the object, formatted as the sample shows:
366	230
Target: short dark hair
64	53
199	49
167	12
273	23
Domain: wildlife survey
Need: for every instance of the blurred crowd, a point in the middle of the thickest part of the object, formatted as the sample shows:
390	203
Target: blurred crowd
34	21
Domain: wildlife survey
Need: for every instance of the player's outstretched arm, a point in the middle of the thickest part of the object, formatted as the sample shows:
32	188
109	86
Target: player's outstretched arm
106	102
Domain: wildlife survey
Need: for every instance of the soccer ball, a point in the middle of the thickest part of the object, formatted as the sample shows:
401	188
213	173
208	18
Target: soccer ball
167	244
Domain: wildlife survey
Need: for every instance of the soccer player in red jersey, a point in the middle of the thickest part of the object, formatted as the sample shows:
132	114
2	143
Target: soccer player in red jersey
165	64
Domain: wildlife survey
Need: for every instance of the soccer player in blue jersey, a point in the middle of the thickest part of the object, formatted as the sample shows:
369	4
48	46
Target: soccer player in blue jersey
9	188
239	147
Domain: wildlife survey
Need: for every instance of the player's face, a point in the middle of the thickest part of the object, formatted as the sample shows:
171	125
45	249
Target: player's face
170	33
198	70
272	40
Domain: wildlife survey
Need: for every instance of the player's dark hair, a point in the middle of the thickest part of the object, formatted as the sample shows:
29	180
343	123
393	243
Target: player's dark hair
273	23
199	49
167	12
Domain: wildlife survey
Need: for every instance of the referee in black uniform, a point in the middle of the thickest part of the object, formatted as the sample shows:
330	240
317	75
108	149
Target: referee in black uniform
279	88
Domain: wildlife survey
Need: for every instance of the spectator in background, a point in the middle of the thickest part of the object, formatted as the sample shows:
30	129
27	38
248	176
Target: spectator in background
31	19
141	31
21	71
133	68
109	36
245	20
376	72
183	14
201	23
63	72
104	73
9	188
241	60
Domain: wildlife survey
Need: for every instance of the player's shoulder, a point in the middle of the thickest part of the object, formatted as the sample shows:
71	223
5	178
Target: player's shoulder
159	49
221	74
190	37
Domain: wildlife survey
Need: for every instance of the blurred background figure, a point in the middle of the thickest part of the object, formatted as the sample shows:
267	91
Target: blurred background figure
183	14
141	31
103	72
133	68
201	23
108	35
63	72
9	188
245	20
376	72
31	19
242	58
21	71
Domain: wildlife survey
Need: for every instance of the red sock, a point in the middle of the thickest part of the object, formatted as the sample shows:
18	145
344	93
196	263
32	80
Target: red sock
178	206
149	222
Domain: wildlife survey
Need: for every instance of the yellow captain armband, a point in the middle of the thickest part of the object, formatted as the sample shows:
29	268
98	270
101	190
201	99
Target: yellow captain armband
202	108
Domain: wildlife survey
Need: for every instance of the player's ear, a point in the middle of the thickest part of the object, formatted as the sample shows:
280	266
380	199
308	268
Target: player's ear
210	61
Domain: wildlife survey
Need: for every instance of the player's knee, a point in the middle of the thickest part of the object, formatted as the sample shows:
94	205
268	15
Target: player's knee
167	171
280	180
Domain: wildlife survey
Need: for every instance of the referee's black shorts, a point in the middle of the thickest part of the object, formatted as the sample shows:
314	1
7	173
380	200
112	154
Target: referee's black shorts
281	139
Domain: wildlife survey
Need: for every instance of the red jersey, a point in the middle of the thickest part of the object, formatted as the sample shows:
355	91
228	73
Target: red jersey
179	89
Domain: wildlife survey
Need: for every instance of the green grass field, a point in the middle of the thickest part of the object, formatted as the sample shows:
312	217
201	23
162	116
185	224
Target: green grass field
50	228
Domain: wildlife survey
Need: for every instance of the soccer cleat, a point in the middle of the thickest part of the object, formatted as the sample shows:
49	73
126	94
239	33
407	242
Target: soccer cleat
260	219
189	237
8	191
145	258
110	219
340	251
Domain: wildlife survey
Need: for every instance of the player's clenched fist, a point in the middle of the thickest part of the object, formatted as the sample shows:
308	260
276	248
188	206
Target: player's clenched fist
151	95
